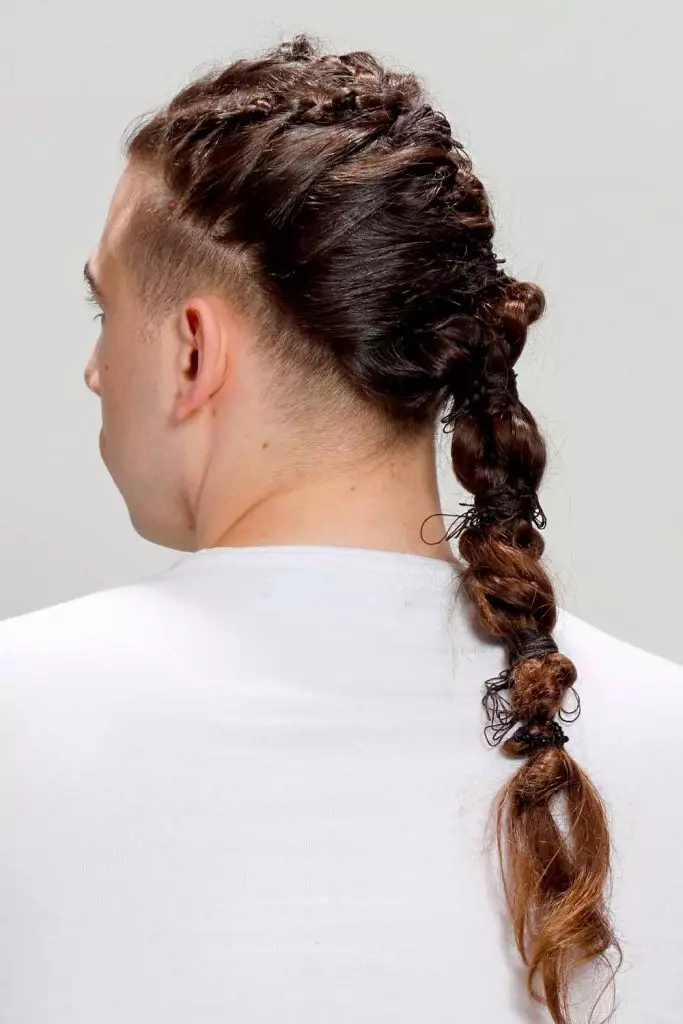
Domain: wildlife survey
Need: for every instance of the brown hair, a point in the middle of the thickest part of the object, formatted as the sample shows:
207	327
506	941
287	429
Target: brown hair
329	197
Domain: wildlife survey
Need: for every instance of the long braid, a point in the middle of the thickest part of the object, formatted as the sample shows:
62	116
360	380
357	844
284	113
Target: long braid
554	878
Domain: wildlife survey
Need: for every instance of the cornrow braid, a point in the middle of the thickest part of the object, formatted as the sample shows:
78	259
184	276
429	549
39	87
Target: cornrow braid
328	196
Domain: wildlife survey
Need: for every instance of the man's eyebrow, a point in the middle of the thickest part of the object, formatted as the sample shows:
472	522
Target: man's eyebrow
90	281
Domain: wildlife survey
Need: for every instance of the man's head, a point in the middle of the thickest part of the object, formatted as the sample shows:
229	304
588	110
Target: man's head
190	397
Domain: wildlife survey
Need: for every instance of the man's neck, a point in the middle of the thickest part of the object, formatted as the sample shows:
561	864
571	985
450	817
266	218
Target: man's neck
382	507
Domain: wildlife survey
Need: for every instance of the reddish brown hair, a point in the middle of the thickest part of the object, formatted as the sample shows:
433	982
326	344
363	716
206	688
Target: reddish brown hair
328	196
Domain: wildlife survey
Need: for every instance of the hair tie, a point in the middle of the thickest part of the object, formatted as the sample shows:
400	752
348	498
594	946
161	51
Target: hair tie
501	716
534	740
501	506
531	644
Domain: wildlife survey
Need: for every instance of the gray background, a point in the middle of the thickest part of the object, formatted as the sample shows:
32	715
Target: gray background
572	116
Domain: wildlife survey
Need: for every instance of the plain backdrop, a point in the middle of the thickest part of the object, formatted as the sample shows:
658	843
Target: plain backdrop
572	115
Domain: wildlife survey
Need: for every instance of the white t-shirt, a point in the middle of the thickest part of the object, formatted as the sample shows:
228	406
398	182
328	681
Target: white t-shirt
254	788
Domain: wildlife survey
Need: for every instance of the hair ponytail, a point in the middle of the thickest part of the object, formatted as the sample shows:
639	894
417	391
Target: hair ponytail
551	824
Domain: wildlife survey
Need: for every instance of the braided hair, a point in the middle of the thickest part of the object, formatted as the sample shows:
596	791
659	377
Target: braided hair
331	199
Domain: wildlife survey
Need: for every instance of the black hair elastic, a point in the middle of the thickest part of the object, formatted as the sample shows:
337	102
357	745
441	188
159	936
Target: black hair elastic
502	505
501	716
537	740
529	643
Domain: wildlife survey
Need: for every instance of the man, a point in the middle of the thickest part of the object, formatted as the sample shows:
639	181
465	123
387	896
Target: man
255	786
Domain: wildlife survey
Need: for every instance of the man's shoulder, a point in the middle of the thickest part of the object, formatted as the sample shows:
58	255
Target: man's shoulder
624	689
599	651
80	622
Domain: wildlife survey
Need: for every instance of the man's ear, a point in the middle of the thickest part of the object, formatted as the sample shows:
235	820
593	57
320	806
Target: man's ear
204	353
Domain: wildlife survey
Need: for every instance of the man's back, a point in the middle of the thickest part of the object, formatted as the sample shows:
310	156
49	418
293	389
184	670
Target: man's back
255	788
